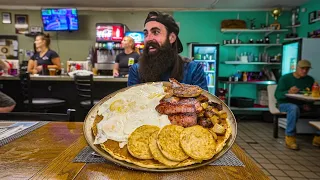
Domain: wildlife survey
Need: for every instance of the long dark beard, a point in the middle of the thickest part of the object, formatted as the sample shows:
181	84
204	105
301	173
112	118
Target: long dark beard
153	64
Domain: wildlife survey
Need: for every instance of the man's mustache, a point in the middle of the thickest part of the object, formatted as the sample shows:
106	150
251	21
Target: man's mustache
152	43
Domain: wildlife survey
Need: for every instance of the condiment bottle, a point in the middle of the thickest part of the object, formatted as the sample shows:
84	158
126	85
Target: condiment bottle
315	90
244	77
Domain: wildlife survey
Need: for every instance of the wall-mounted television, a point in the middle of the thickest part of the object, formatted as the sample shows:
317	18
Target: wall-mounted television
60	19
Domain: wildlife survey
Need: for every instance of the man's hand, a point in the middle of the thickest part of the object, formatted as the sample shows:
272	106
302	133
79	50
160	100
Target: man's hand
293	90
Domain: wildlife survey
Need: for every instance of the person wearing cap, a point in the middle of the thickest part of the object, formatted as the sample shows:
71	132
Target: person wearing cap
292	83
160	59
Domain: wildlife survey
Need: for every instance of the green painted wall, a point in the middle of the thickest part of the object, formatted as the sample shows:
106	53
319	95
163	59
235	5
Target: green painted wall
312	5
204	27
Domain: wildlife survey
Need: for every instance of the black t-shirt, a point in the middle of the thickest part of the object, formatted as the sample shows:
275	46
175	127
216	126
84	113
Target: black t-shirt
46	59
126	61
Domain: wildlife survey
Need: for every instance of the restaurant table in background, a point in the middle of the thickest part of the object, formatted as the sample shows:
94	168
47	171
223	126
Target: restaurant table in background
56	144
303	97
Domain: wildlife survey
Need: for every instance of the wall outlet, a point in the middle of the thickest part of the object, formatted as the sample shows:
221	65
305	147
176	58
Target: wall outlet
303	10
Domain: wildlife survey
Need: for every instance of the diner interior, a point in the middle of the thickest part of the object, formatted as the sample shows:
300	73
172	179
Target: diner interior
245	47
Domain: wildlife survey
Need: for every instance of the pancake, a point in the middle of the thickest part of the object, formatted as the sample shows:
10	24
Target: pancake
198	143
169	143
157	154
138	142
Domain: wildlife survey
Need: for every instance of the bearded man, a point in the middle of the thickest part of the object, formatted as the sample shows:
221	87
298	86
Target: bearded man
160	59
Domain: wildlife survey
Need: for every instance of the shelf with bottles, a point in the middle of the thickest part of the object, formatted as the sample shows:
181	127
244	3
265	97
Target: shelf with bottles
254	78
265	45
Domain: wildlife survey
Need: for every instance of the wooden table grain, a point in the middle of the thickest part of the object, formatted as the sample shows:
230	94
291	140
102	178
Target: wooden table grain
47	153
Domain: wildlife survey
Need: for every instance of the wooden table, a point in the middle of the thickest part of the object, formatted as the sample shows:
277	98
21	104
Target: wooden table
303	97
47	153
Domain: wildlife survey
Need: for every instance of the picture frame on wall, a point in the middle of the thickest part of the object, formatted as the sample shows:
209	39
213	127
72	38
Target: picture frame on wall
312	17
21	23
6	18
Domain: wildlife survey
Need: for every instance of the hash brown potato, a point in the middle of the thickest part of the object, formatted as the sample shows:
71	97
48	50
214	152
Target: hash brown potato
157	154
169	143
138	141
198	143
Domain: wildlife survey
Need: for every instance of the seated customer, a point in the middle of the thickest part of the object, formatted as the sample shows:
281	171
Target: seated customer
292	83
160	59
43	55
7	104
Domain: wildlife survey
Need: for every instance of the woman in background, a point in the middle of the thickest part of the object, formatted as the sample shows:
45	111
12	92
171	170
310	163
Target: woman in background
127	58
43	55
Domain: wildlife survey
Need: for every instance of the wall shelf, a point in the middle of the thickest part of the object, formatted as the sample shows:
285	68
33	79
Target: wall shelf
315	20
292	39
249	109
250	63
294	26
252	30
265	31
264	45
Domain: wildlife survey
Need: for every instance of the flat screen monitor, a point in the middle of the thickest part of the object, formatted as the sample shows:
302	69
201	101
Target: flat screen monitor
60	19
137	36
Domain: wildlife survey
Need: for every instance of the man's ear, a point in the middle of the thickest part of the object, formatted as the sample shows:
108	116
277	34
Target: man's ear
172	38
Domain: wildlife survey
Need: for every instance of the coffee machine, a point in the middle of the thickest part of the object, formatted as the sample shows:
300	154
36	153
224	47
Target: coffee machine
108	46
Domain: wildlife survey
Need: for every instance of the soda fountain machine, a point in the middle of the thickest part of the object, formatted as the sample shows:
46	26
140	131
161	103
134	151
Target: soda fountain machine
108	46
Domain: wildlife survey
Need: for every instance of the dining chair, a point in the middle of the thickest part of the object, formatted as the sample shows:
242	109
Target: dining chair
39	116
84	86
32	103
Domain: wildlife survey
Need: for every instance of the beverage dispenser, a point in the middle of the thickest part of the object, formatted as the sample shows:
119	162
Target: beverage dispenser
108	45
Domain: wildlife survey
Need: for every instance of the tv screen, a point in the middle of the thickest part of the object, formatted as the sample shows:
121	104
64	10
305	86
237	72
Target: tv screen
60	19
137	36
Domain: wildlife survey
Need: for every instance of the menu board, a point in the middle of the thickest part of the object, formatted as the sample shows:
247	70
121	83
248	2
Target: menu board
109	33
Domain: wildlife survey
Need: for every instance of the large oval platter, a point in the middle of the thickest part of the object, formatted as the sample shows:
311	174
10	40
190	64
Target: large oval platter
90	118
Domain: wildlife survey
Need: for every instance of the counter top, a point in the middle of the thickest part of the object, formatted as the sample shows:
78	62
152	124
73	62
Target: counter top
66	78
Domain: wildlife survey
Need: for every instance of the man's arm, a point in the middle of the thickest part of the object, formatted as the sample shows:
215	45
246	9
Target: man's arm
281	90
199	77
4	64
133	75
